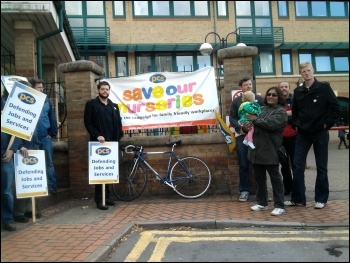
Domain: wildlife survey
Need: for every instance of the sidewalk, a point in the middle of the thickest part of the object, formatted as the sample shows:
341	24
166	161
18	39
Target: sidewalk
76	230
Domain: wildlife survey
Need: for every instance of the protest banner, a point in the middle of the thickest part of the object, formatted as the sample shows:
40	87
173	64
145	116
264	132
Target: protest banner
227	133
166	99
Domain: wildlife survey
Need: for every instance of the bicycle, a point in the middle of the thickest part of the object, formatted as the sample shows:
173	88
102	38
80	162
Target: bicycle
190	177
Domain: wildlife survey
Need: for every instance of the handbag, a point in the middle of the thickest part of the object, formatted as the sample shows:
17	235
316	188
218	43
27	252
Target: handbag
289	131
282	154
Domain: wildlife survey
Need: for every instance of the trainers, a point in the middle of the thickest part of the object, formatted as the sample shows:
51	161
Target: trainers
10	227
21	219
243	197
245	142
258	208
101	206
53	190
30	214
291	203
278	211
319	205
110	202
251	145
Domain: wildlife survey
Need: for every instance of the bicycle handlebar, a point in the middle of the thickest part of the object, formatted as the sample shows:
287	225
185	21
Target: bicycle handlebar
131	148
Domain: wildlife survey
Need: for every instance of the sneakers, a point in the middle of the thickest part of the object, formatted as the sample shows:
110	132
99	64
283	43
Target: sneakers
30	214
53	190
21	219
278	211
319	205
245	142
258	207
243	197
291	203
10	227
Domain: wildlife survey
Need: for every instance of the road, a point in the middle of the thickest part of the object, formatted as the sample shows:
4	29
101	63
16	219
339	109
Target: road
253	244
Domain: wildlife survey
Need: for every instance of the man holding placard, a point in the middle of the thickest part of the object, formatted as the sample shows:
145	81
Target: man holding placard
102	121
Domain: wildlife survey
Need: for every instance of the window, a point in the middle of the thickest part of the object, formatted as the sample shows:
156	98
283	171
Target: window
121	64
171	8
99	60
221	8
324	9
85	13
283	11
170	61
253	14
327	61
263	63
118	9
286	61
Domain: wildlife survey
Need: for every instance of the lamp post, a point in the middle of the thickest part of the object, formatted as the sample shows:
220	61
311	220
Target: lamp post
206	48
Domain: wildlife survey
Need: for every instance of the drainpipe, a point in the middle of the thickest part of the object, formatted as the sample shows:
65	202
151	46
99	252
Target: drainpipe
41	38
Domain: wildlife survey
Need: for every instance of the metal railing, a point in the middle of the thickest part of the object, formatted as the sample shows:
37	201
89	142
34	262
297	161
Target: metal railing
260	35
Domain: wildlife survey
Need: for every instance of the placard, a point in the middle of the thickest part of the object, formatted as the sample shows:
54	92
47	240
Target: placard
22	111
103	163
30	174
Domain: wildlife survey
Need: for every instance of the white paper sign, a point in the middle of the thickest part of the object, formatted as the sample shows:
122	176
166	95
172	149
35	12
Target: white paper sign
103	163
30	174
9	81
22	111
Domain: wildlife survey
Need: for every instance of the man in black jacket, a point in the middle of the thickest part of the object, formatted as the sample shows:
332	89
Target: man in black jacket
315	110
102	121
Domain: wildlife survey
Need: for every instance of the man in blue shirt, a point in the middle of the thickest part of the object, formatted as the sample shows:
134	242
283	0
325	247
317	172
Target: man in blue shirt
46	129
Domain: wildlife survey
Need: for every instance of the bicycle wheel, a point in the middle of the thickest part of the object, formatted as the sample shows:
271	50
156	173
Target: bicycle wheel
191	177
130	186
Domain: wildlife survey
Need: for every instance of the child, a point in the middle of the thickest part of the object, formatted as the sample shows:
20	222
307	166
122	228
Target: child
249	106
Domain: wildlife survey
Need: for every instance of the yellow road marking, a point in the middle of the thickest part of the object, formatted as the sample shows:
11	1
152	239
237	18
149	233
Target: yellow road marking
164	238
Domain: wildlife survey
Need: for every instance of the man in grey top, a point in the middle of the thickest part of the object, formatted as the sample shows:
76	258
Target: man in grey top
245	84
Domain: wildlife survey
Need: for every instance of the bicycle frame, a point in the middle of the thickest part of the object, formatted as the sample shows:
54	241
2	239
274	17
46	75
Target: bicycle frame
172	156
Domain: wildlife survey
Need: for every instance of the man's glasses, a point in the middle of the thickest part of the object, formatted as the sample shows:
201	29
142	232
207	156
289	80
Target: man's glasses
271	94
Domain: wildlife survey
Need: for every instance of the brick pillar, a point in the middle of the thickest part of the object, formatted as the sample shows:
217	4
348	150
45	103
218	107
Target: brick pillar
238	62
80	87
25	46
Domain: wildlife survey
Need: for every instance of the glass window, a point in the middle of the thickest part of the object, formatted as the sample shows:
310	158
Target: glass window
286	63
143	62
203	61
262	8
263	22
265	62
163	62
160	8
323	62
141	8
95	22
305	57
221	8
182	8
337	9
341	61
76	22
184	63
94	8
122	67
301	8
99	60
283	8
243	8
73	7
118	8
318	8
201	8
244	22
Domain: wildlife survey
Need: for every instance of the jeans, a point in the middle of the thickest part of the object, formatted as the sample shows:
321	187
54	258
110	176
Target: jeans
98	193
289	144
276	182
45	143
303	144
7	179
242	154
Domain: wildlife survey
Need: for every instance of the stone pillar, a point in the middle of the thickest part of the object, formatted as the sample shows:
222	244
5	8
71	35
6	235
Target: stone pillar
25	46
238	62
80	87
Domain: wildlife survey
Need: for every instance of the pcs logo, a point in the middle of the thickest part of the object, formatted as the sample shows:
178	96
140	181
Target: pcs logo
103	151
26	98
30	160
157	78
